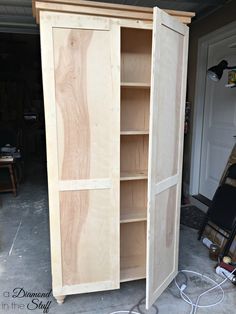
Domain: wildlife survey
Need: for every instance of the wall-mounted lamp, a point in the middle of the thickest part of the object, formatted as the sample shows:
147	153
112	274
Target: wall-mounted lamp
215	73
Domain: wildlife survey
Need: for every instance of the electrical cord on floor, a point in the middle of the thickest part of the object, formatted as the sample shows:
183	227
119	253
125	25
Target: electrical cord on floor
131	311
196	306
124	312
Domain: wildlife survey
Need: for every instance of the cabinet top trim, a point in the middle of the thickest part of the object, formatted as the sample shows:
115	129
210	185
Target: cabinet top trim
103	9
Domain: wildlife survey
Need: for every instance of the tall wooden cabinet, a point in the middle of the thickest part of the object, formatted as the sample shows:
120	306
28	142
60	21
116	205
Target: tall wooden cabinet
114	89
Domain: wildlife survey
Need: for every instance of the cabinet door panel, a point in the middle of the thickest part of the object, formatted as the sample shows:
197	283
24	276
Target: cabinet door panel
80	60
168	88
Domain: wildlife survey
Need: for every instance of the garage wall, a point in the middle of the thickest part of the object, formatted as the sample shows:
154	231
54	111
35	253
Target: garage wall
200	28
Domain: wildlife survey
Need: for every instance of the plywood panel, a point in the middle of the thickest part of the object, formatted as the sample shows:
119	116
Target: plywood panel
134	153
88	234
168	92
133	197
133	251
135	107
165	222
168	118
136	57
83	96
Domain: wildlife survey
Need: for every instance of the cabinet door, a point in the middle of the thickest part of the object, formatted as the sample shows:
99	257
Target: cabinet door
80	64
168	89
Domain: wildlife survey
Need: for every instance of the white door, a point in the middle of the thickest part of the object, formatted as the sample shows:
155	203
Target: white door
168	91
219	124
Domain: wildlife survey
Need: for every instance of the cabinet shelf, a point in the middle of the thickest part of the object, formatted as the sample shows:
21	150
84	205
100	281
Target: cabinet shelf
135	132
135	85
133	273
128	176
133	251
128	216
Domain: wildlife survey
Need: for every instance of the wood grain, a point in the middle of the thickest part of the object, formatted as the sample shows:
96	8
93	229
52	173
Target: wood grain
83	151
134	153
105	9
133	200
136	57
135	107
165	205
87	224
133	251
168	92
82	102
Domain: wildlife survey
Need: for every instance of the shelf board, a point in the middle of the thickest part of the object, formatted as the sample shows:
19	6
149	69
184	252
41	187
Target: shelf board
135	85
128	176
127	216
132	273
130	132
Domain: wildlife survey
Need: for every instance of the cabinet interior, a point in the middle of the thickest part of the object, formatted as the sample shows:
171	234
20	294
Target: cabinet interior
136	45
133	201
135	110
133	251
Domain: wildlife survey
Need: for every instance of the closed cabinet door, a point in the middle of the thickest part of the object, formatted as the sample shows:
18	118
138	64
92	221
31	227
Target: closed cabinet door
168	90
80	63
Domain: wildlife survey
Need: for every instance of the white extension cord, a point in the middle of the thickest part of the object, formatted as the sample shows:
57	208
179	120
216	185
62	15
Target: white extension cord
186	298
196	306
124	312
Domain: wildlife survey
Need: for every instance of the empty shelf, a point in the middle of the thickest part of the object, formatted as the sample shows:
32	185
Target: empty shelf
127	176
130	132
133	273
135	85
139	214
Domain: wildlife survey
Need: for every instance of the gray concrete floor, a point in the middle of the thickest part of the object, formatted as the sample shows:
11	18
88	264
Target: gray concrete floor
25	263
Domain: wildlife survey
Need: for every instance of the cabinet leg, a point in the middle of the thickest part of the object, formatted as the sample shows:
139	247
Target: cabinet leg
60	299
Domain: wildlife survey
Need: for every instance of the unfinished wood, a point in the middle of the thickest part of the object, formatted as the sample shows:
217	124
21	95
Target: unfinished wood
76	185
133	251
170	45
60	299
134	132
135	85
48	76
129	176
138	214
75	129
133	200
134	153
86	238
106	9
82	101
136	57
135	107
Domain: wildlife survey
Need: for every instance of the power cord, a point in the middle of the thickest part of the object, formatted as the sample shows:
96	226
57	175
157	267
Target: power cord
123	312
131	311
196	306
184	296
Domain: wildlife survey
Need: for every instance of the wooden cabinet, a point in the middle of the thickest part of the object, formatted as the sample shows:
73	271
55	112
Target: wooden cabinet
114	89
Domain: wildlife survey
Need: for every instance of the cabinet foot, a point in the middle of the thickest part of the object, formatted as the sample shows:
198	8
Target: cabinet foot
60	299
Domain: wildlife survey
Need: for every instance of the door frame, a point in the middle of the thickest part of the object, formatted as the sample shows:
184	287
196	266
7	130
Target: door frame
199	105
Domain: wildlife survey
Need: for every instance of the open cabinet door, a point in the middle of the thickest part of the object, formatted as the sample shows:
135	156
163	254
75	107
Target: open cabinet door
81	80
168	89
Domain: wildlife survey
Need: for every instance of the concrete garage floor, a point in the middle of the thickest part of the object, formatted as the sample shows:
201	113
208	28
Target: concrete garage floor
25	263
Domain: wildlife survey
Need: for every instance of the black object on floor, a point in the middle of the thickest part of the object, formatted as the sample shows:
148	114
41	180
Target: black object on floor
222	211
192	217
